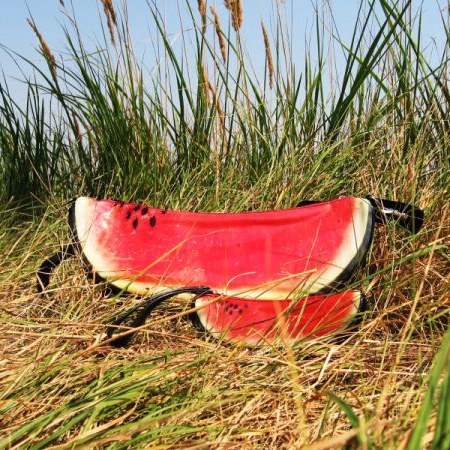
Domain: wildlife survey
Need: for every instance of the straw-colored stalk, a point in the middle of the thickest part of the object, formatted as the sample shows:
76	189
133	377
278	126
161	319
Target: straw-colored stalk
111	18
269	59
48	55
202	10
223	47
205	83
235	7
218	107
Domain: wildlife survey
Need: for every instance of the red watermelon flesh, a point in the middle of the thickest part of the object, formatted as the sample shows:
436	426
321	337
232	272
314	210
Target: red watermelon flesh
265	255
250	321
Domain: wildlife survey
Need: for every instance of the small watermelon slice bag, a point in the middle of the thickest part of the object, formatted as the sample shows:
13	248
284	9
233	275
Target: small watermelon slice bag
260	263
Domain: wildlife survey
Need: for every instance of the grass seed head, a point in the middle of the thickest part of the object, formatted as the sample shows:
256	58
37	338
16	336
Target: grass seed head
202	10
45	49
111	18
269	59
235	7
109	9
223	47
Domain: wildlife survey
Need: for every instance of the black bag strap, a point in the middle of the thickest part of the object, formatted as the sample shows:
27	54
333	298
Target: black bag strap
138	313
49	265
142	310
408	216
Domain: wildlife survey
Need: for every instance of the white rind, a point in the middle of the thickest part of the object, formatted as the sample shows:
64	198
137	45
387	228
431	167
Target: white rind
86	216
350	246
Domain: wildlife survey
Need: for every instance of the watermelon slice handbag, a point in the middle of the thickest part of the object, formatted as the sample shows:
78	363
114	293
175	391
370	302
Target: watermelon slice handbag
247	270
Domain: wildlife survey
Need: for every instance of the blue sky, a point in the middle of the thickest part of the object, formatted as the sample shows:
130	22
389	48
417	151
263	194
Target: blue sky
49	17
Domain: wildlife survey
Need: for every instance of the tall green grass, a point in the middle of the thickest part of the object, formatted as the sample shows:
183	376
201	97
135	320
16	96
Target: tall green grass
95	122
206	133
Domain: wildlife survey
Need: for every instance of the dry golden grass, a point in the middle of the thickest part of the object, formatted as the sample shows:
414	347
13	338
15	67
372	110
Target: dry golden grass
201	393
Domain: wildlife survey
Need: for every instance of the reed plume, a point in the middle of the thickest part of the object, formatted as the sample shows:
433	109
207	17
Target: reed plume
111	18
235	7
48	55
269	59
202	10
109	9
222	45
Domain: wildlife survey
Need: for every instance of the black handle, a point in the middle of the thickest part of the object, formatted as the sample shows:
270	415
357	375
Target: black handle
408	216
142	310
47	267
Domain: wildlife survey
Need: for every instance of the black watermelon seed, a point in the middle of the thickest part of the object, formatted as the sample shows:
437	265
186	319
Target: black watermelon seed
231	312
235	306
240	310
128	214
226	308
152	221
135	223
144	211
136	208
